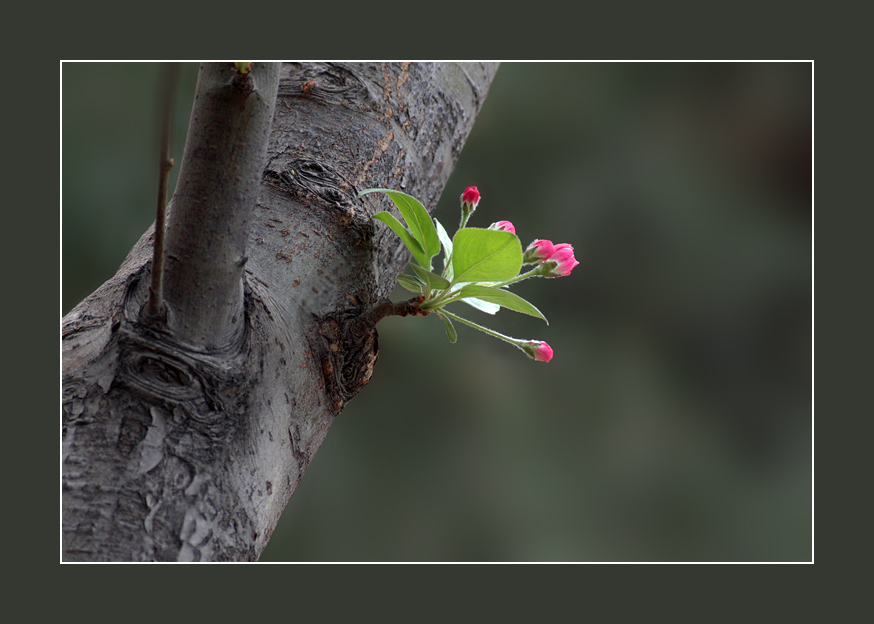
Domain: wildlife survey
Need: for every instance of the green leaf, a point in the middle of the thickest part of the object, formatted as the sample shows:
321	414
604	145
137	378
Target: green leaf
503	298
396	227
485	255
450	330
447	249
433	280
412	283
418	220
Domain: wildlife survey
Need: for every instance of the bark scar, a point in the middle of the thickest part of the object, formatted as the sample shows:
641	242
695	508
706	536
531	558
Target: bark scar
317	182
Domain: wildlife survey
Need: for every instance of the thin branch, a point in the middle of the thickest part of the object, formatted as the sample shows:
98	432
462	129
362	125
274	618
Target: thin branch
169	74
402	308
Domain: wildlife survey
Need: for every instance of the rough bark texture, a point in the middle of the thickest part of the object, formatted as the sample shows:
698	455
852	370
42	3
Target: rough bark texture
172	453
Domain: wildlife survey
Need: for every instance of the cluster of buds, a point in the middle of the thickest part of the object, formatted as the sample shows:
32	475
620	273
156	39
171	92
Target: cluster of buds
552	260
555	260
479	265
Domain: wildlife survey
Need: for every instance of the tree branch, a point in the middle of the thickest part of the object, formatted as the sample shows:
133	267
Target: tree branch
210	214
177	448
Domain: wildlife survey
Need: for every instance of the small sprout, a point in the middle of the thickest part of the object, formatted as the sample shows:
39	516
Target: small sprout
478	265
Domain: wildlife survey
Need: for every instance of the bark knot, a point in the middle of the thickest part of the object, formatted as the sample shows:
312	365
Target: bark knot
319	183
349	349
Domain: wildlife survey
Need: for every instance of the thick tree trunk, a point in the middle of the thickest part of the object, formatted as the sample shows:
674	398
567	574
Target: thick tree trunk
178	446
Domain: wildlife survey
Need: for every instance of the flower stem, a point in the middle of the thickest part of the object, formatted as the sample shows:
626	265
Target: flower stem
513	341
535	272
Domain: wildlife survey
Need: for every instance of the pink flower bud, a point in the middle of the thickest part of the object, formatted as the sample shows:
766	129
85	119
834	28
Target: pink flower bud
538	251
506	226
538	350
561	262
469	199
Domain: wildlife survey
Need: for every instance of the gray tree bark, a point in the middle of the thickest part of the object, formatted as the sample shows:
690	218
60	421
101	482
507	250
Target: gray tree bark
185	436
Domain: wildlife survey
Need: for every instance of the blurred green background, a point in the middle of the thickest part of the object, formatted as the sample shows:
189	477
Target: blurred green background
674	422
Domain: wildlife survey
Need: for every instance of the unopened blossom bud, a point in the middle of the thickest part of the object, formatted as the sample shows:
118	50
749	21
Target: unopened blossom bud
537	350
538	251
561	262
469	200
505	226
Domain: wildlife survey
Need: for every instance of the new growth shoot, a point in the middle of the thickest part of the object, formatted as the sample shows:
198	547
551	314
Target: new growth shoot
479	265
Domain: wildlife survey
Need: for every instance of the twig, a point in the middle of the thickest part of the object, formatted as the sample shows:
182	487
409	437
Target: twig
402	308
169	73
